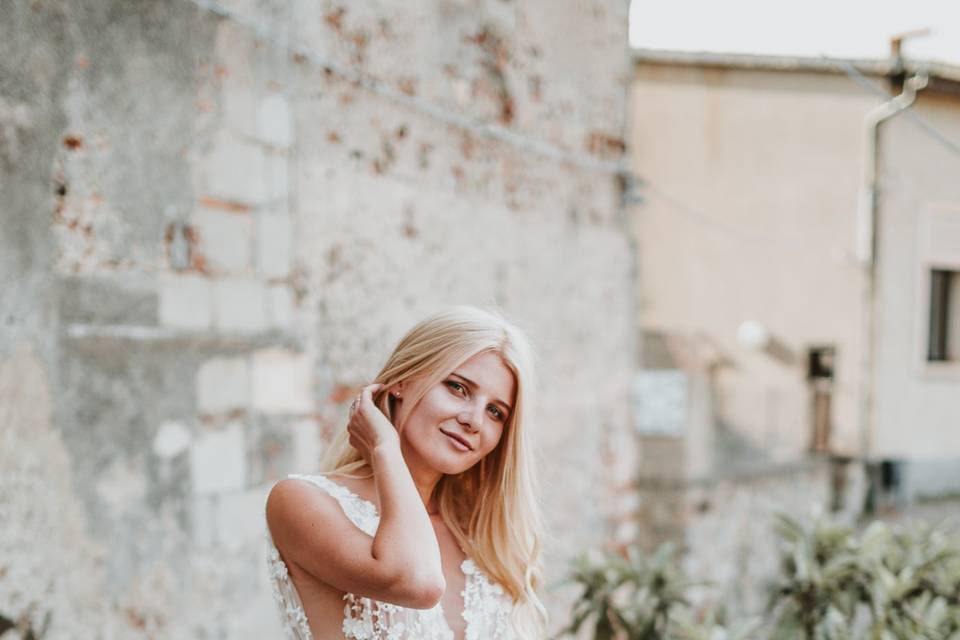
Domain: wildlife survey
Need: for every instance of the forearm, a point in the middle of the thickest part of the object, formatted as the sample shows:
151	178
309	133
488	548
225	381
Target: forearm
405	540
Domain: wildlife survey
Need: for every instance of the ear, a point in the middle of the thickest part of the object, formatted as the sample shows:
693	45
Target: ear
396	390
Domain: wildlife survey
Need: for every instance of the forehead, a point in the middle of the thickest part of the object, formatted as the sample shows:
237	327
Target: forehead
489	372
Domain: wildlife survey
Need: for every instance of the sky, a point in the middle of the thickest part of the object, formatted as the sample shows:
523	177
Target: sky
837	28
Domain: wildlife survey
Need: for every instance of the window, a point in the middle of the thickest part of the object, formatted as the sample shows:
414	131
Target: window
943	337
820	363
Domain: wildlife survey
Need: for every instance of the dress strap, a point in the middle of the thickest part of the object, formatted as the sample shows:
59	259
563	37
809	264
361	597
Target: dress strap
360	512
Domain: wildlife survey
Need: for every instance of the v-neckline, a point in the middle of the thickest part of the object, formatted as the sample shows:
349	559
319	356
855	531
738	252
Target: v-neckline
465	565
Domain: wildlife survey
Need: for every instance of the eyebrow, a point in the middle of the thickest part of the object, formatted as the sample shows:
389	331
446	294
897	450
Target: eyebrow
474	385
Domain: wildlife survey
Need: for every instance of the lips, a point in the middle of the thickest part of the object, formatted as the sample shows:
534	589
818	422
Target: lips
457	438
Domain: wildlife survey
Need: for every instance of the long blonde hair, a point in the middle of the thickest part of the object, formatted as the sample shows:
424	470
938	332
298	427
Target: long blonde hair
492	508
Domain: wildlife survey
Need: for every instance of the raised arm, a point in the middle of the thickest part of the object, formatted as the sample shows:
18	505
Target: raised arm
401	563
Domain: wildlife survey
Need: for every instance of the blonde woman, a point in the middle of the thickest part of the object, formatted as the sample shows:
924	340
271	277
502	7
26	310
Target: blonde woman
425	525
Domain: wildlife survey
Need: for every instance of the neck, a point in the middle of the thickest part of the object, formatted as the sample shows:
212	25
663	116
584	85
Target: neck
424	478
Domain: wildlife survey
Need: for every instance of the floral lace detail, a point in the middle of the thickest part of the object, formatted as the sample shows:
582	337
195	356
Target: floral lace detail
292	615
486	606
366	619
359	511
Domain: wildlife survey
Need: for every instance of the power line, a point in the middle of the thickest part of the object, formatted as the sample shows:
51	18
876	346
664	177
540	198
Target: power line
848	68
380	88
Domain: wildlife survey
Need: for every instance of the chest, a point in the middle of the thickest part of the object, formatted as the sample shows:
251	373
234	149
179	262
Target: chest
452	558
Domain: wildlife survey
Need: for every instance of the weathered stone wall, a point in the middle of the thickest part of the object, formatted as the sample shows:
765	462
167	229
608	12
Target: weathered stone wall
723	526
216	221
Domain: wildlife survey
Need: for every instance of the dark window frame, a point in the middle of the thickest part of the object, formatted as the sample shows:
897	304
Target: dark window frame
938	316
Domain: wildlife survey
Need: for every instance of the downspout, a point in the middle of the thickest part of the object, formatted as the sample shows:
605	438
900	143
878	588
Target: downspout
867	248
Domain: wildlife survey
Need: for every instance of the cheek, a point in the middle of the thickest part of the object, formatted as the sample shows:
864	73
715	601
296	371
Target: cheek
492	439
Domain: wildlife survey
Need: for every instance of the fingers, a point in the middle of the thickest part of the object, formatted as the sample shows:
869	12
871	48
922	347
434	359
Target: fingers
366	394
358	426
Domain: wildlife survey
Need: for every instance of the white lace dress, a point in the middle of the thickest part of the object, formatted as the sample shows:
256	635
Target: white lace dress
486	607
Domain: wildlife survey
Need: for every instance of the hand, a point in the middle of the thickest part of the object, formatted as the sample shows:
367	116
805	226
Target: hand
368	427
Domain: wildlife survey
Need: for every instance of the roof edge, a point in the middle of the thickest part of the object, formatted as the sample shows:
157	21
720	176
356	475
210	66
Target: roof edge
764	62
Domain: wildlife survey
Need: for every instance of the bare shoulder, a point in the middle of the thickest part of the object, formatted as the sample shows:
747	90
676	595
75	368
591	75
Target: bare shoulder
311	530
307	523
298	502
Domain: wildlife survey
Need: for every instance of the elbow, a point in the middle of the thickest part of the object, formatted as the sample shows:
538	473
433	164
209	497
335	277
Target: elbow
417	590
427	593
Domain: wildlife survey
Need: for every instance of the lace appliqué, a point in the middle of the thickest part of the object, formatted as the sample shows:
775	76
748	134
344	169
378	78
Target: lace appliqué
486	607
366	619
293	617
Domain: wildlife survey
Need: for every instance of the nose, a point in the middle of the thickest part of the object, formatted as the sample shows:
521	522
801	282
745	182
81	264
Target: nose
471	415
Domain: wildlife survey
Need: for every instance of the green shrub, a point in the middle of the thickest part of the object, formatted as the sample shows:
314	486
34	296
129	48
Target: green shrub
834	583
885	583
639	597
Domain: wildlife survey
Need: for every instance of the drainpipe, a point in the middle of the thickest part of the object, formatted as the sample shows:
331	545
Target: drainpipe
867	247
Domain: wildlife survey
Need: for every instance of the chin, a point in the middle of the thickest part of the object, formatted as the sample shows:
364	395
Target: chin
451	465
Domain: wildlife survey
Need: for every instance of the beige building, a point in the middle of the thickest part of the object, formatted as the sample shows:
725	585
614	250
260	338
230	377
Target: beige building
770	329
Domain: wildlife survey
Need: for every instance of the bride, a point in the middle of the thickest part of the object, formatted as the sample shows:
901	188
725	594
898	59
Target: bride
425	525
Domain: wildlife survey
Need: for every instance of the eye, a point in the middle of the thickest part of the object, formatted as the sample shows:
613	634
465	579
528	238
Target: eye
497	413
456	386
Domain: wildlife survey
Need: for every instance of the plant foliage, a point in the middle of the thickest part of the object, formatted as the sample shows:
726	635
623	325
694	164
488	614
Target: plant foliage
834	583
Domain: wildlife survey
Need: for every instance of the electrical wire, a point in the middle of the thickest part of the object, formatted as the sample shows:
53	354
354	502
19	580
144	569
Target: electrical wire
851	71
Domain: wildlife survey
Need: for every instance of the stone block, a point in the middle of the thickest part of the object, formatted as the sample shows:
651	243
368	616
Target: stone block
240	305
203	520
241	517
240	108
224	239
281	382
306	445
111	299
223	384
274	123
185	301
236	170
277	180
172	439
269	448
274	240
218	460
280	306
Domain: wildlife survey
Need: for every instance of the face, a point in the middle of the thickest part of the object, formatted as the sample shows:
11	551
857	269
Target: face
460	419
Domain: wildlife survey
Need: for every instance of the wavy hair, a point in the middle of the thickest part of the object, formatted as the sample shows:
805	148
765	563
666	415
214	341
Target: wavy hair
491	508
